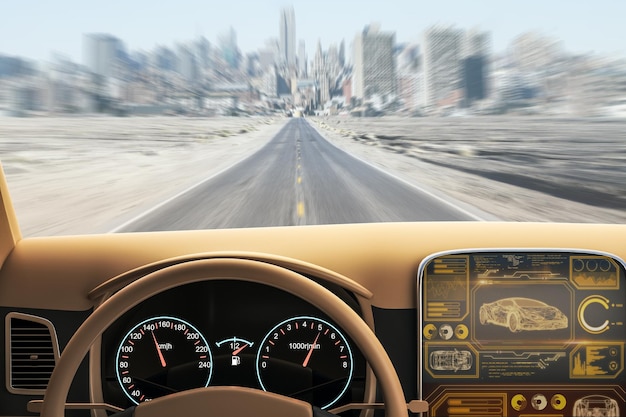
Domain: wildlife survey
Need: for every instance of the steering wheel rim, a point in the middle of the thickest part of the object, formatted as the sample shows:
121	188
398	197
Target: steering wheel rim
222	269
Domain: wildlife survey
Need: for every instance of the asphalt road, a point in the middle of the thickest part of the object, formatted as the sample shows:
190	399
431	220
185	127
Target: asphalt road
297	178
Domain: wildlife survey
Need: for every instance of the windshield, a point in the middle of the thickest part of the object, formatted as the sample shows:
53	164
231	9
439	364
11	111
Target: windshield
142	116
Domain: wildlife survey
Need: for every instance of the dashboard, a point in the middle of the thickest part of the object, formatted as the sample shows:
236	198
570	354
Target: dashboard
532	327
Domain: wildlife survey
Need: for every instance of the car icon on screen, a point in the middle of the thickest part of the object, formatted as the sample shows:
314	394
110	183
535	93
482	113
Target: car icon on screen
450	360
518	313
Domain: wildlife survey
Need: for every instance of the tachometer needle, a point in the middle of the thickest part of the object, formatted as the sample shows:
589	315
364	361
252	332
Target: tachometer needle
308	355
236	352
163	364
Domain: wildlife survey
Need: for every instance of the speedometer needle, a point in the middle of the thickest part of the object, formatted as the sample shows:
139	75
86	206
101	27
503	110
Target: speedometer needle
308	355
163	364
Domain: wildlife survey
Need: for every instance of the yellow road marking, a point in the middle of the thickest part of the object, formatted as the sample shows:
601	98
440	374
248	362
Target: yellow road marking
300	209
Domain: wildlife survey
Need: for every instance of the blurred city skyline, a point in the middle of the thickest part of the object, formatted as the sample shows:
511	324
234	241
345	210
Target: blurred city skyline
581	27
371	69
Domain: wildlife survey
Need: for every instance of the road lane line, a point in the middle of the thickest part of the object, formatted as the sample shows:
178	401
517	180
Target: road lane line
298	188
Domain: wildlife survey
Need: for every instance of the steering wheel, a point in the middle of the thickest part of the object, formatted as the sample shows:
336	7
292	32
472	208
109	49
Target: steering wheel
223	401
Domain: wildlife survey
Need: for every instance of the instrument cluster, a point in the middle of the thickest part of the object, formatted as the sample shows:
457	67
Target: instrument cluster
234	333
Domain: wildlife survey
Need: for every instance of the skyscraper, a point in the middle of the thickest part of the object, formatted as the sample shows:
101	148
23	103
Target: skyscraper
533	51
441	47
409	74
475	66
268	55
228	45
187	64
287	31
203	53
100	52
302	64
320	73
342	53
476	43
374	64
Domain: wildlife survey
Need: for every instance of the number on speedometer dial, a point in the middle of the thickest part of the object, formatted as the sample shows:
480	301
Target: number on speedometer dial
305	358
160	356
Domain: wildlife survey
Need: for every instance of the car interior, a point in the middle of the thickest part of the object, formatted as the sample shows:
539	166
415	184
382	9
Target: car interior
425	318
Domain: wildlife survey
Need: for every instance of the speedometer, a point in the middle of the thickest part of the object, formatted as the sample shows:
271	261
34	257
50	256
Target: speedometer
306	358
160	356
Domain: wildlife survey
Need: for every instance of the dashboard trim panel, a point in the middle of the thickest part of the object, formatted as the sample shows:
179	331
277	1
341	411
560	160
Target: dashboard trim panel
295	265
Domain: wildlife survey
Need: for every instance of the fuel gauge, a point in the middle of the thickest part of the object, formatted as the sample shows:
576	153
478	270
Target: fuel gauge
234	362
236	346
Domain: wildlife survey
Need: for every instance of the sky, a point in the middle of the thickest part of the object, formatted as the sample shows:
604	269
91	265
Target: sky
36	28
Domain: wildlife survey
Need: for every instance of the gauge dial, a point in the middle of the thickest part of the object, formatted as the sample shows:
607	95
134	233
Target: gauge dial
306	358
233	362
160	356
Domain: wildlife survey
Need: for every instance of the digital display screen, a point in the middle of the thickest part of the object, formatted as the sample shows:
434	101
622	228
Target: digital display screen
522	333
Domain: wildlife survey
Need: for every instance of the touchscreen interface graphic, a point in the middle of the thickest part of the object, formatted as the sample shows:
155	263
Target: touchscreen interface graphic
522	333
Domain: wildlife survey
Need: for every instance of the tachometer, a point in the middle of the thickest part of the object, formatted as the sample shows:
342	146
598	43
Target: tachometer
160	356
306	358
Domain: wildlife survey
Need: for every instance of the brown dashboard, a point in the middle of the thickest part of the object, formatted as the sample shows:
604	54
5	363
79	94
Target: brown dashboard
534	326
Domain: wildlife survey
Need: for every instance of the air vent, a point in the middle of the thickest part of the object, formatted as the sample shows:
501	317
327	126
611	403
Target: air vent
32	352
